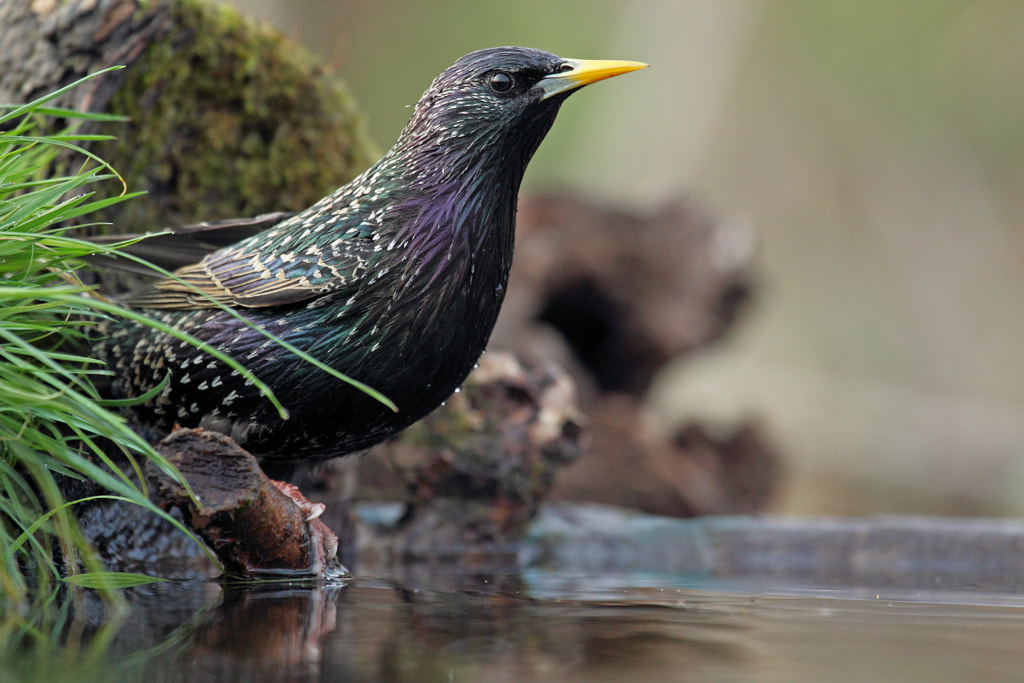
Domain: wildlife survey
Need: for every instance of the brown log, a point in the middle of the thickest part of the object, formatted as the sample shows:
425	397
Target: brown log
254	528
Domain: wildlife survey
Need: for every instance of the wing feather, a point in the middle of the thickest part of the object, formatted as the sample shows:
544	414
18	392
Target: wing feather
243	277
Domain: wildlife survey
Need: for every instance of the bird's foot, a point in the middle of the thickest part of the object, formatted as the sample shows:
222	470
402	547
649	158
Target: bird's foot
323	541
310	509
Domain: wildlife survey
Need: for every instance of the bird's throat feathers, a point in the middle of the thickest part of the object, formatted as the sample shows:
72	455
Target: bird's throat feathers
462	184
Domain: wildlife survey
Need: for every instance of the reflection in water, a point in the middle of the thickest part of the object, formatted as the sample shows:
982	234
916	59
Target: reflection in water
632	598
270	633
496	627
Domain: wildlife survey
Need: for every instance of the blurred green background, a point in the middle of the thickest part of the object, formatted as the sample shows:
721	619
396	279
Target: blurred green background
878	150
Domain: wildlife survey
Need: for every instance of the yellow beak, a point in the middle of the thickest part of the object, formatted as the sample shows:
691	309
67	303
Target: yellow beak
577	73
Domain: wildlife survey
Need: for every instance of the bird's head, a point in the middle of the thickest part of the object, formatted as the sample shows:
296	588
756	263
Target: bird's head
500	101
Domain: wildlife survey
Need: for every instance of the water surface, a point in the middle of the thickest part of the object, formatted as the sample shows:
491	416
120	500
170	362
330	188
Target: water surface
601	596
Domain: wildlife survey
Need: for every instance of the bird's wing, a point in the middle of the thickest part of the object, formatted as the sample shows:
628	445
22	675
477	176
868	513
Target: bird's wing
246	276
182	245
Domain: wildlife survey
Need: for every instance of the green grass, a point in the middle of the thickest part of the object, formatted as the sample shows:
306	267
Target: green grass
52	418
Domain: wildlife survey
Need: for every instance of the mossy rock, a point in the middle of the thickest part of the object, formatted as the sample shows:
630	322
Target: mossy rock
230	119
227	118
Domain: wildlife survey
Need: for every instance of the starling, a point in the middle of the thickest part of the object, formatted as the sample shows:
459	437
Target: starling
395	279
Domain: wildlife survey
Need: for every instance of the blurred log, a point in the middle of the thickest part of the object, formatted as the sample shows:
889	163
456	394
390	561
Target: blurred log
690	473
614	295
476	471
622	291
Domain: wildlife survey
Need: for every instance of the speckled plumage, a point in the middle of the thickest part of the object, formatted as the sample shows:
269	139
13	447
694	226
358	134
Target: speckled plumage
395	279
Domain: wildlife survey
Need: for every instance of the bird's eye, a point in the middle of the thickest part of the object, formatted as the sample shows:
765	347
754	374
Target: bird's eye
501	82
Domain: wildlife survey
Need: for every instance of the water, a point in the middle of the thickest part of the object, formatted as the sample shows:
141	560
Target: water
746	600
501	630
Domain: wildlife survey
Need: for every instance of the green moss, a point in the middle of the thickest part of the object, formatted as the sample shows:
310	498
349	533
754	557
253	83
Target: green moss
229	119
